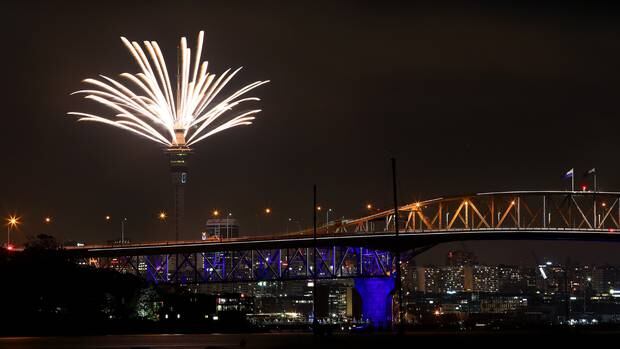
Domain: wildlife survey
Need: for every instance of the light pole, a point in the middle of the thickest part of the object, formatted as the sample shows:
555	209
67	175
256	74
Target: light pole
217	231
107	220
267	213
293	220
13	222
370	226
327	219
123	230
228	218
315	280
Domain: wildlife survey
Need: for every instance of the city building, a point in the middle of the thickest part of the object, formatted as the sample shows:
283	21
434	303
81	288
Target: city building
221	228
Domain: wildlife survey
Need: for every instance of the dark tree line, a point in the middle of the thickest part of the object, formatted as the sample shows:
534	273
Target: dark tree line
43	291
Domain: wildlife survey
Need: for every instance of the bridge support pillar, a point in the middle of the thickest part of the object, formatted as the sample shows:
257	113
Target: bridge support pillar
376	295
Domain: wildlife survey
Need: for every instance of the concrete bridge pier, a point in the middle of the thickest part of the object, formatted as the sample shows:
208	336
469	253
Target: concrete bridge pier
376	296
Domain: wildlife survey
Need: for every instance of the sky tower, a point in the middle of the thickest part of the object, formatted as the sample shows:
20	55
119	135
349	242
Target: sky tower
178	156
178	118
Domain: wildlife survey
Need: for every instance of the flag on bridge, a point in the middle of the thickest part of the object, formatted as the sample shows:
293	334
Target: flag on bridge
571	174
591	172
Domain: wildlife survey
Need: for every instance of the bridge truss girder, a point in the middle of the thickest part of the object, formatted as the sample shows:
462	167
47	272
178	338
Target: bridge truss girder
503	210
253	265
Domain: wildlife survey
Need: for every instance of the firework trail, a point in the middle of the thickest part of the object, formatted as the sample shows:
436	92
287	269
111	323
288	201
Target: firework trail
148	105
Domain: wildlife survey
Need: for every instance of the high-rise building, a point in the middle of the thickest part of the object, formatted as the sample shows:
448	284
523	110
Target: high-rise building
510	279
605	278
223	228
429	279
485	278
453	279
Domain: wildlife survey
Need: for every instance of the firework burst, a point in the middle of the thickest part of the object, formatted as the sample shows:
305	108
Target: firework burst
148	105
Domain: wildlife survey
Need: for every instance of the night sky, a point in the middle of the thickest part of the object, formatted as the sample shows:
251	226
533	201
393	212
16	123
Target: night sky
467	98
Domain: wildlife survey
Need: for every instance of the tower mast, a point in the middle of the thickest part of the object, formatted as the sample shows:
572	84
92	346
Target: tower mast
178	156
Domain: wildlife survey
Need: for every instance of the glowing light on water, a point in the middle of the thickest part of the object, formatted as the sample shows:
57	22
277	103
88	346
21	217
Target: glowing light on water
148	105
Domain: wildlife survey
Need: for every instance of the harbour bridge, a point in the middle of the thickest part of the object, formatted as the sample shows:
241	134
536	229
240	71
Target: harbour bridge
365	248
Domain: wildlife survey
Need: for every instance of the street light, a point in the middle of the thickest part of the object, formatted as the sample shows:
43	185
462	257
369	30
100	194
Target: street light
48	220
108	218
216	213
260	217
12	223
327	219
162	216
295	221
123	230
227	224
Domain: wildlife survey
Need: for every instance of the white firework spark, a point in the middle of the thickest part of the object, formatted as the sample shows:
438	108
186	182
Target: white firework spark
149	107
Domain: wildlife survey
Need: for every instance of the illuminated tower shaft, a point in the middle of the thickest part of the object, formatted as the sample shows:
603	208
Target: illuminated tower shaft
178	156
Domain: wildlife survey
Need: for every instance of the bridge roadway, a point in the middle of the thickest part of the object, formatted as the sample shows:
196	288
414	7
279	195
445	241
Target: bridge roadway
382	240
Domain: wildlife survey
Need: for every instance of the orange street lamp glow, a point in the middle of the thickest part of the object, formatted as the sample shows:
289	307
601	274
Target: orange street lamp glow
107	218
163	215
13	221
48	220
216	213
369	206
267	210
318	208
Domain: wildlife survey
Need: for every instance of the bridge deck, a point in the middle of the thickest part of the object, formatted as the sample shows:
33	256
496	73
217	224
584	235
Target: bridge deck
380	240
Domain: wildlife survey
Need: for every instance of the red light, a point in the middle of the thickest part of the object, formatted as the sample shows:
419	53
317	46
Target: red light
10	248
611	230
583	188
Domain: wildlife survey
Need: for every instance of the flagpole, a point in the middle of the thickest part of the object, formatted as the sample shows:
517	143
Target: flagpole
595	181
